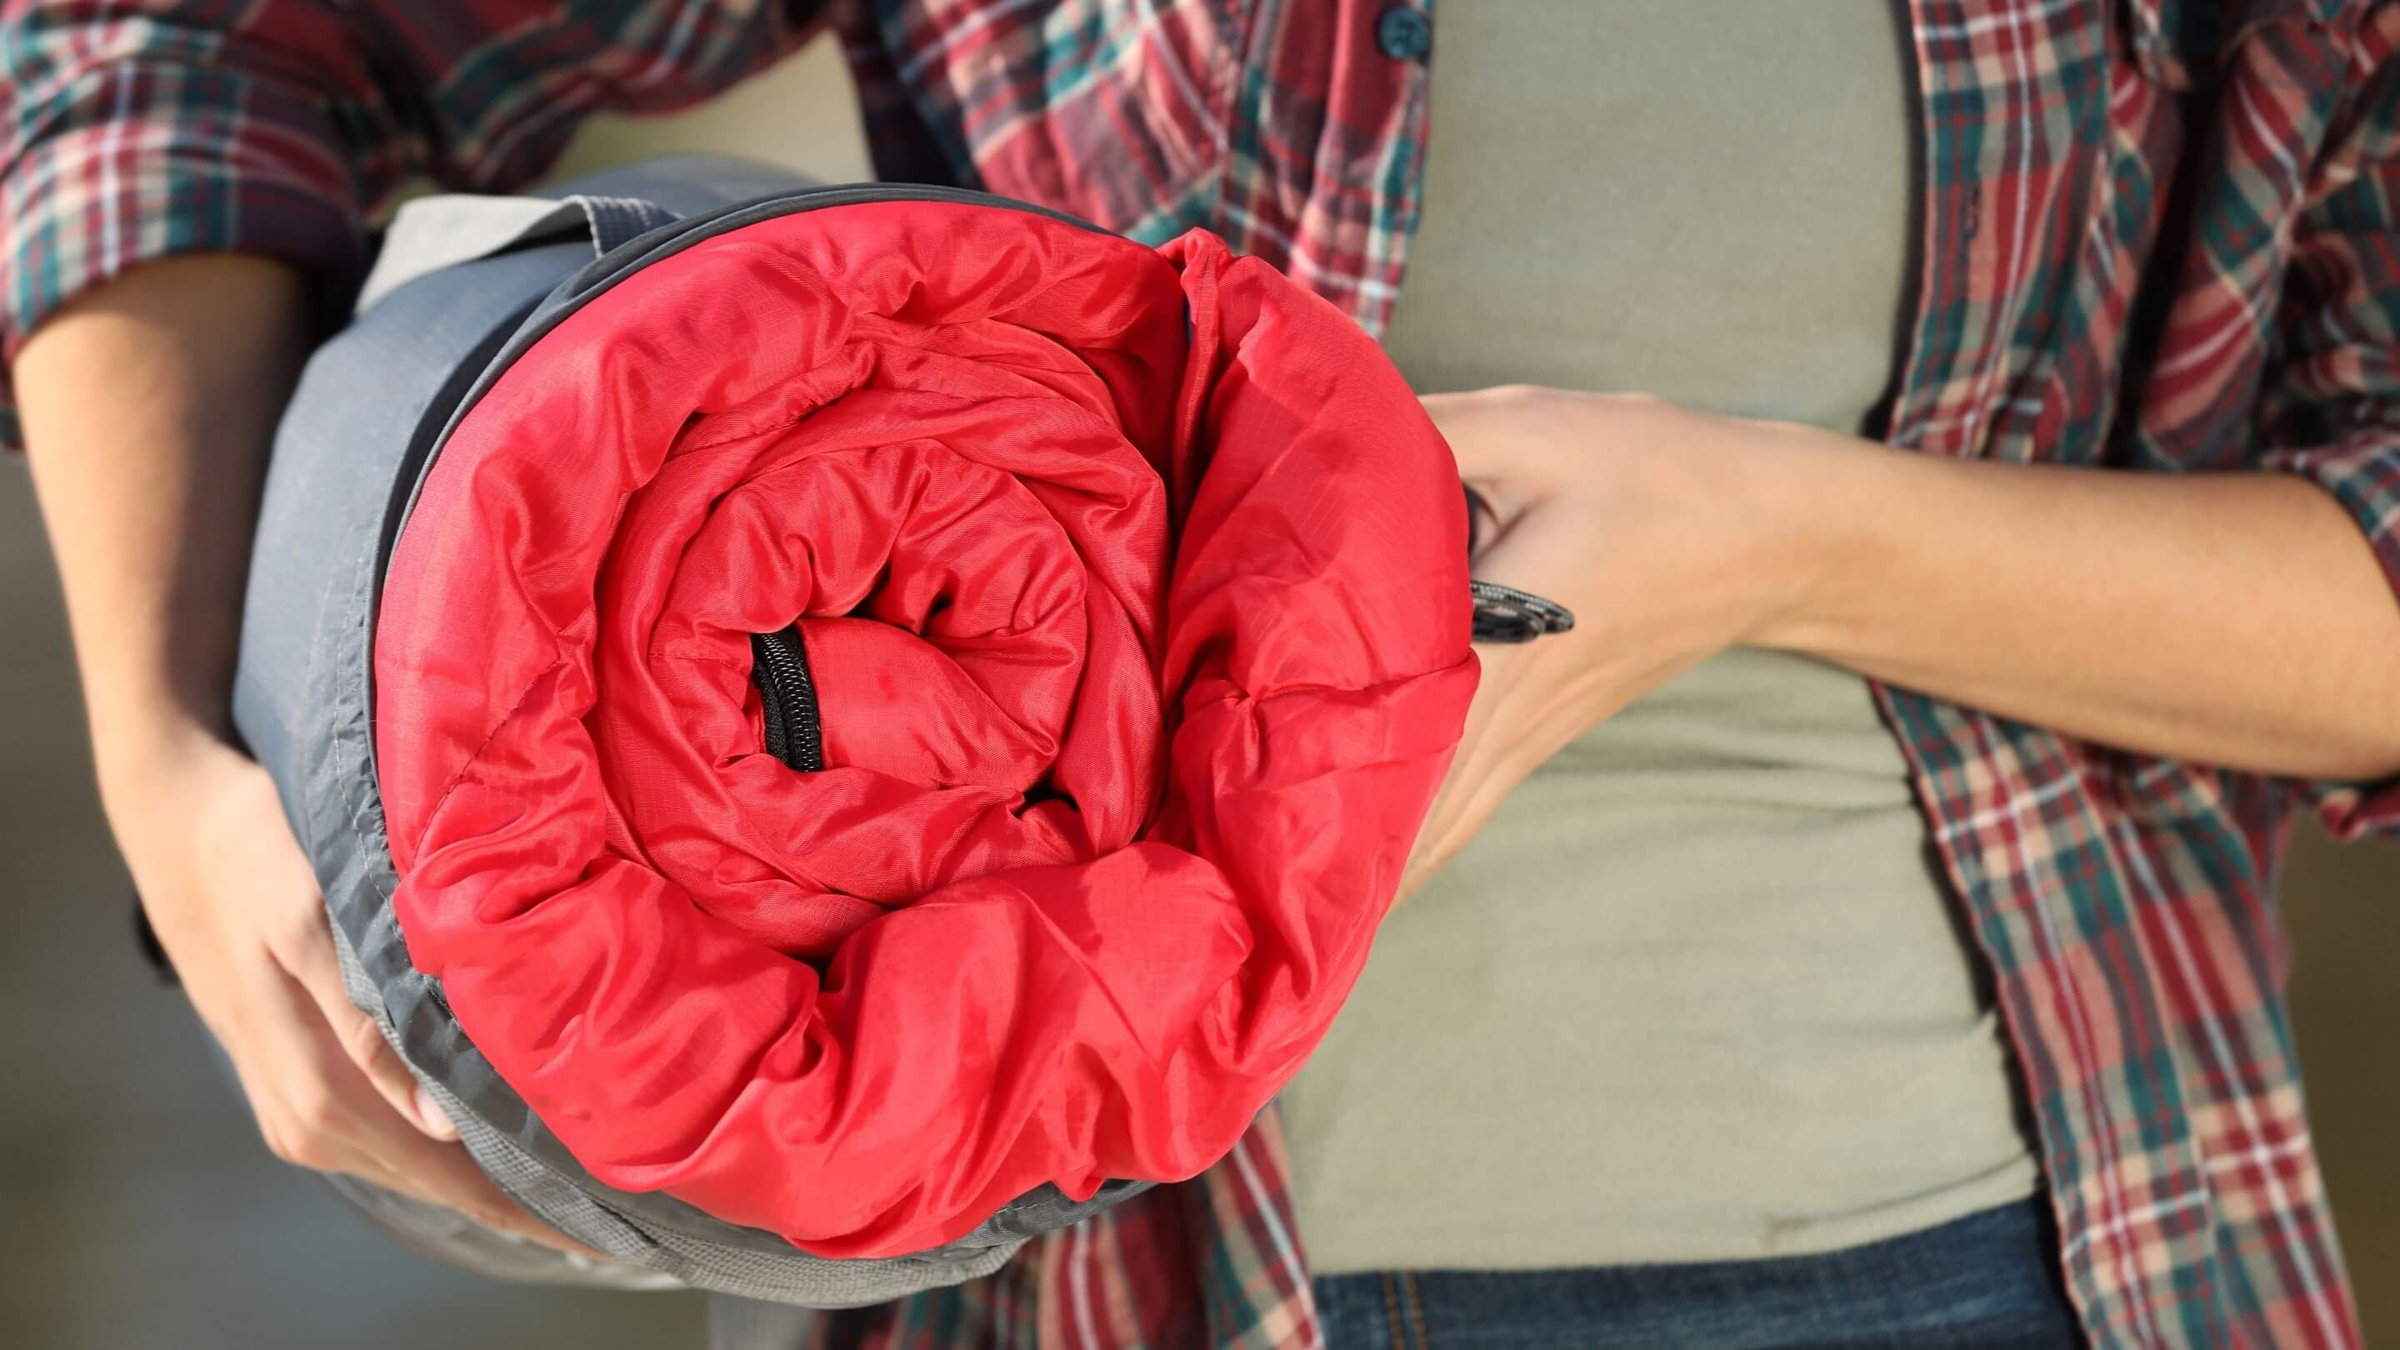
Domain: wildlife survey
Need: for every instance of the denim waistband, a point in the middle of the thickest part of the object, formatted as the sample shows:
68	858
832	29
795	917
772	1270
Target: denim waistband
1989	1281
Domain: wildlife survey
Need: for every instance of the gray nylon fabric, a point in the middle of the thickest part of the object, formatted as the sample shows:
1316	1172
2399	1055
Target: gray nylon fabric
645	1253
365	420
428	234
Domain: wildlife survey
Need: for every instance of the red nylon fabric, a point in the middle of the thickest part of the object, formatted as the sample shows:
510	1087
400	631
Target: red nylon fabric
1140	650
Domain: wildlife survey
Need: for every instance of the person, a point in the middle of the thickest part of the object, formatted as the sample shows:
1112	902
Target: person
1859	930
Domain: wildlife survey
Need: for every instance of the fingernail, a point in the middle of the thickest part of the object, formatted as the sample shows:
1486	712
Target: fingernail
431	1112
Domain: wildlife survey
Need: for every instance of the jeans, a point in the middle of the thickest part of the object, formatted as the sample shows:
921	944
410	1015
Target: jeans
1989	1281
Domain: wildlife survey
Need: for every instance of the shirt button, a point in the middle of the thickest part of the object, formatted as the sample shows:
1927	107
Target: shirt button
1404	34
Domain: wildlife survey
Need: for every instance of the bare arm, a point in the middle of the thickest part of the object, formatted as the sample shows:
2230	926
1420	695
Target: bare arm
2228	618
148	408
2238	619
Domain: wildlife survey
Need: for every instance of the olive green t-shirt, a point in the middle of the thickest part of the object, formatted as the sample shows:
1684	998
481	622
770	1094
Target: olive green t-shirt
1695	993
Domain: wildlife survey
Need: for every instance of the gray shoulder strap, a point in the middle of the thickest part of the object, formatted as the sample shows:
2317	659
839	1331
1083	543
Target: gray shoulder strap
431	233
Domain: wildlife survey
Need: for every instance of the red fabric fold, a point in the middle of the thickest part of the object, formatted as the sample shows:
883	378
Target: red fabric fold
1140	643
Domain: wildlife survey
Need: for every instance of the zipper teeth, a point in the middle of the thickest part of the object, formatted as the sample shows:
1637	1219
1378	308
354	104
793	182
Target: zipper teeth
779	667
1506	614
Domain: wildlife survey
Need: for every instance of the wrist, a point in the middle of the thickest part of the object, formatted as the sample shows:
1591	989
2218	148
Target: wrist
145	762
1813	502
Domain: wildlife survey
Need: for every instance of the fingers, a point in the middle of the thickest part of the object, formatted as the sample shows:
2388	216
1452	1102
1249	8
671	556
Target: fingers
320	1111
295	1077
300	939
307	955
1467	808
236	905
1481	773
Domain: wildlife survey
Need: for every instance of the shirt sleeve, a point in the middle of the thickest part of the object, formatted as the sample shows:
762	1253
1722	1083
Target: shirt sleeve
132	130
2330	406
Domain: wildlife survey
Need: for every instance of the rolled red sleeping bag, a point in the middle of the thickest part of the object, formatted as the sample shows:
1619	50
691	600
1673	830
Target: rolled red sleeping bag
1130	588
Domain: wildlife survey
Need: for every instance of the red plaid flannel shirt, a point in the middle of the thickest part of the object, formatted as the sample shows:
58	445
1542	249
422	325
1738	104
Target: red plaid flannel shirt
2155	234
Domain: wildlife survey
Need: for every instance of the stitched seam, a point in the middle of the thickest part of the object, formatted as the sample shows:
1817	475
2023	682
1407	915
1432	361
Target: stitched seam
506	719
374	831
1416	1308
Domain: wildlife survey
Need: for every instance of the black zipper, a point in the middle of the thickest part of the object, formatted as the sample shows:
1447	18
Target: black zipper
779	667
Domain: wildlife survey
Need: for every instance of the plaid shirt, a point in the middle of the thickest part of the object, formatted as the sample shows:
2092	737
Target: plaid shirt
2155	234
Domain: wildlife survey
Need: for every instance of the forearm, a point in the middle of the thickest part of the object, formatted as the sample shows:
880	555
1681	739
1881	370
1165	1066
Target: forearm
2236	618
148	408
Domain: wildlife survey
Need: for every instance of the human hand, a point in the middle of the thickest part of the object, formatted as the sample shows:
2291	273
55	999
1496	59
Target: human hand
236	906
1662	529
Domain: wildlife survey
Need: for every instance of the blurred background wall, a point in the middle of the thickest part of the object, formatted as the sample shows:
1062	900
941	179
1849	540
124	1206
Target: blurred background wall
139	1212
